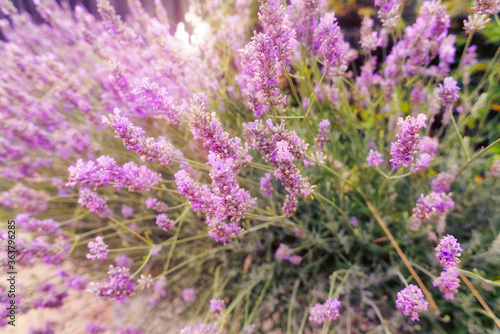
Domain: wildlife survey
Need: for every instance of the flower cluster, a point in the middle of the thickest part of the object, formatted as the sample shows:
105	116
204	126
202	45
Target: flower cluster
104	170
45	226
261	59
433	204
164	222
408	142
148	148
320	312
411	302
448	92
155	204
120	285
331	45
284	253
25	199
448	282
266	184
217	305
94	202
374	158
448	251
188	295
98	249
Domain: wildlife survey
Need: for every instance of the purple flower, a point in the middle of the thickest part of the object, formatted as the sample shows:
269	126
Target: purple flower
127	211
388	12
164	222
159	98
448	282
105	170
25	199
98	249
429	145
31	224
486	7
423	162
317	314
442	182
261	58
283	252
128	330
494	170
94	202
209	129
432	205
448	251
95	328
374	158
322	134
295	259
120	285
158	206
369	37
353	221
403	150
332	45
266	184
148	148
448	92
411	302
330	309
201	329
217	305
188	295
123	261
221	231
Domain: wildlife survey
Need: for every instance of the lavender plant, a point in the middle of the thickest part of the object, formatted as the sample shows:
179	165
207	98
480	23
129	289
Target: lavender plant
301	178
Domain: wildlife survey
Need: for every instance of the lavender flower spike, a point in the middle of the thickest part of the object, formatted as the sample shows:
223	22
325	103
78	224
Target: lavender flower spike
448	92
332	45
448	251
411	302
448	282
408	142
374	158
98	249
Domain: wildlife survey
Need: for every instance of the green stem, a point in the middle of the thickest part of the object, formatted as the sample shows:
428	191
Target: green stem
459	135
482	279
313	97
292	86
291	306
467	44
130	230
178	230
477	155
143	263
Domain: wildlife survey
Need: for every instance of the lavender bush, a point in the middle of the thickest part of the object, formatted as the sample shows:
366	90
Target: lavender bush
291	179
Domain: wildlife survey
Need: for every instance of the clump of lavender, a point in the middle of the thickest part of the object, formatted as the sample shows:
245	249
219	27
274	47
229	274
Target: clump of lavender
331	45
442	182
408	142
119	286
261	59
411	302
94	202
448	251
320	312
448	92
388	12
98	249
201	329
436	203
104	170
266	184
448	282
164	222
374	158
217	305
155	204
148	148
188	295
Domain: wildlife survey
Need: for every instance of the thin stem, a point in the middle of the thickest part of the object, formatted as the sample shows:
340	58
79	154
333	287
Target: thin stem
467	44
143	263
291	306
477	155
485	280
313	97
290	82
386	180
459	135
131	231
178	230
480	299
403	256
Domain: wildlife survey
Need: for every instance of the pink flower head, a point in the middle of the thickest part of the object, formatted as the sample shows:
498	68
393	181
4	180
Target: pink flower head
411	302
448	251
